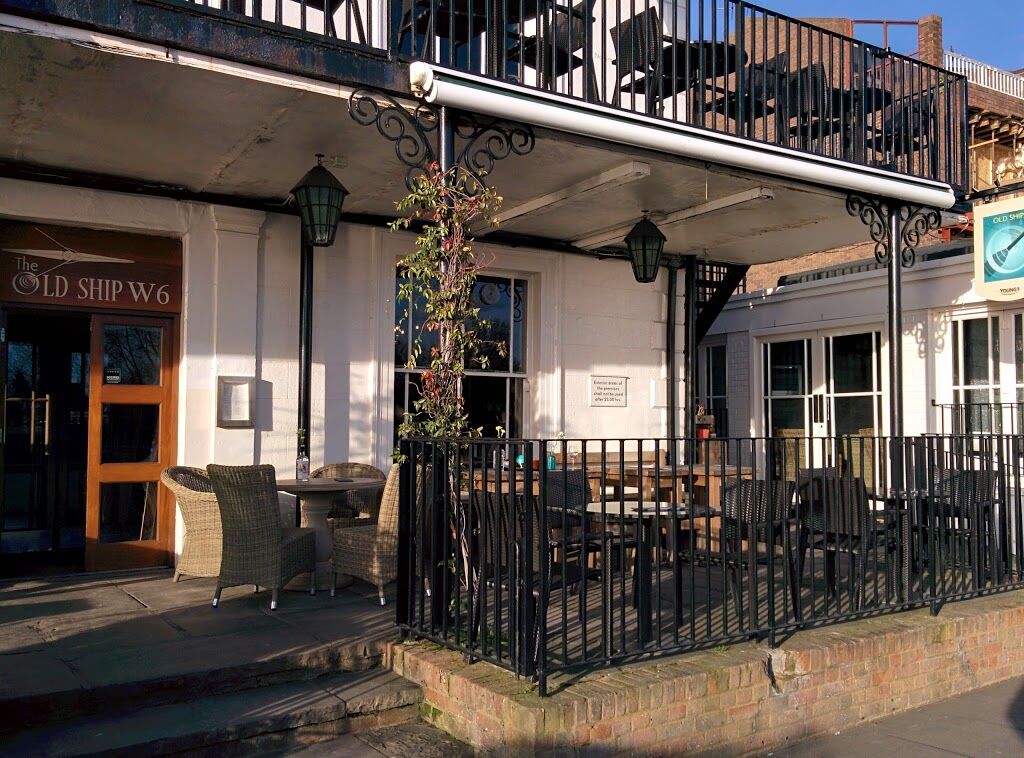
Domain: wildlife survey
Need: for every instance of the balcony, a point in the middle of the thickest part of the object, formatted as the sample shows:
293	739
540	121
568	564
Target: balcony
731	68
984	75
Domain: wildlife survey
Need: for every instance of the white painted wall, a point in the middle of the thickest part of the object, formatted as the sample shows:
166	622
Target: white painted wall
240	317
934	292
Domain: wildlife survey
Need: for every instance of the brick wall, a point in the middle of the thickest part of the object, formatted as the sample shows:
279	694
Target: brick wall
729	700
929	40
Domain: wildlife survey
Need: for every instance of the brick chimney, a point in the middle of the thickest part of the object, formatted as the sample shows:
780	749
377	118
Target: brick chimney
929	40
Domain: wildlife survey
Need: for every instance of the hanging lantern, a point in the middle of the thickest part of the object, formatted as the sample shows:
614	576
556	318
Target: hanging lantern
319	197
645	243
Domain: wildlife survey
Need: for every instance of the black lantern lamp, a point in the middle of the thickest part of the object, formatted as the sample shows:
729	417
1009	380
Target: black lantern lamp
645	243
319	197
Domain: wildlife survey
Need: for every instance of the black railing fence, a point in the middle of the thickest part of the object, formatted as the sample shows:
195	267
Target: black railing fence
725	65
357	21
546	556
980	418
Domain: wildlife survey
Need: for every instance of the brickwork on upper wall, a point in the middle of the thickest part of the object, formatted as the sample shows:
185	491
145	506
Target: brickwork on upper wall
729	701
929	40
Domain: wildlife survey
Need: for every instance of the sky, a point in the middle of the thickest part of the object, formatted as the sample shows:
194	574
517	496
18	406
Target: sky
987	30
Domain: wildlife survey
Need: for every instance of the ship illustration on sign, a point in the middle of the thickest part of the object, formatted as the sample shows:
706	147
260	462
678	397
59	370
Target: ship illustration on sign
26	281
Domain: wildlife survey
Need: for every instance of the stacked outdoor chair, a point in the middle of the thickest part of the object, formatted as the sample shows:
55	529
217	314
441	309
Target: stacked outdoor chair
201	551
257	549
370	551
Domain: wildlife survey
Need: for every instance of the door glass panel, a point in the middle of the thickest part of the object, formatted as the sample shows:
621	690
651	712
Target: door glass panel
854	416
129	433
127	511
788	417
976	351
852	359
788	368
131	354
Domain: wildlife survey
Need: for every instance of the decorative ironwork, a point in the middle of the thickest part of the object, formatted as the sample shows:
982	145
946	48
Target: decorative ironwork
916	222
481	142
411	131
876	214
486	141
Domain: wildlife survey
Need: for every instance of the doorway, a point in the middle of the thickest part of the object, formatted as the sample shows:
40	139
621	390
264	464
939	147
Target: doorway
88	424
825	385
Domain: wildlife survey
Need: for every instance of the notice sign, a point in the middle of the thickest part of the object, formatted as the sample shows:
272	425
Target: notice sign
607	392
999	250
57	265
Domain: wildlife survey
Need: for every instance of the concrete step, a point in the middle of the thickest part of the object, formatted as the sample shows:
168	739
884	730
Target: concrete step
262	719
233	667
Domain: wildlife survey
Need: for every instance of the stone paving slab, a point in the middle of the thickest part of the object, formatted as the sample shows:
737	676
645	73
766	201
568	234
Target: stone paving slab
124	636
402	741
984	722
220	719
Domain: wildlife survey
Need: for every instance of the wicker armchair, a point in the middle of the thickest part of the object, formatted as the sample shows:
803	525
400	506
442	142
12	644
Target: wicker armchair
366	503
370	552
257	549
200	553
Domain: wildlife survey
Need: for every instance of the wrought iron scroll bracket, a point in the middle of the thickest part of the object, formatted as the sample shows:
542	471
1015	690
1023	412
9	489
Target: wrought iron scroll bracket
916	221
876	214
411	131
484	142
480	142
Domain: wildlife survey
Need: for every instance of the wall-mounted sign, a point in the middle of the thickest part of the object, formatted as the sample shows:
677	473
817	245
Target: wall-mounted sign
57	265
608	392
111	375
999	250
236	402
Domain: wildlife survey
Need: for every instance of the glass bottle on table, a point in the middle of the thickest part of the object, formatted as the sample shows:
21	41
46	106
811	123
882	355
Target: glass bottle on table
302	460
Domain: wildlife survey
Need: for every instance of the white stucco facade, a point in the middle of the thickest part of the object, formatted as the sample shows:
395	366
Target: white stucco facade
240	317
935	293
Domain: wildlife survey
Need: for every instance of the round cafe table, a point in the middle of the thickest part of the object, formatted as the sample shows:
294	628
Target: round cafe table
316	496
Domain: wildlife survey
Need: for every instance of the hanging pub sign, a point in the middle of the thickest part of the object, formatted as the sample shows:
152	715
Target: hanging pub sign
999	250
57	265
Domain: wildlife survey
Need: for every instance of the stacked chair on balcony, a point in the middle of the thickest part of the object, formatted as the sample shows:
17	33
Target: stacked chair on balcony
554	50
370	551
257	549
201	550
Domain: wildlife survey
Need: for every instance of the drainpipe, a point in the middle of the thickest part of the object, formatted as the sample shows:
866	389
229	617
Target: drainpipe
670	362
690	349
305	344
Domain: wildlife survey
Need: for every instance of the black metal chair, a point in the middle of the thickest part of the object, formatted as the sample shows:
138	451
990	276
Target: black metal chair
836	517
561	34
638	43
959	518
909	135
755	522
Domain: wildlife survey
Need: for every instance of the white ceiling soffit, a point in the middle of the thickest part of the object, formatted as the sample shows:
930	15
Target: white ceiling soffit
460	90
663	220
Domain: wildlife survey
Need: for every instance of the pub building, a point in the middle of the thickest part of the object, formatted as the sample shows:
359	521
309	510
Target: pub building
161	305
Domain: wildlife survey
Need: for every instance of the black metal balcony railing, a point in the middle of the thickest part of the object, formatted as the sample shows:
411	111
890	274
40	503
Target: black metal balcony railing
724	65
546	556
980	418
729	66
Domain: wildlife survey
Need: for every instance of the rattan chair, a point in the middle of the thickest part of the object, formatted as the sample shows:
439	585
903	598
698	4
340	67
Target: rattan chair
200	553
365	503
257	549
370	551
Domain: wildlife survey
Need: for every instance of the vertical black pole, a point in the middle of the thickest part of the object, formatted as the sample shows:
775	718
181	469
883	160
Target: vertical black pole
895	326
305	344
671	369
690	351
895	281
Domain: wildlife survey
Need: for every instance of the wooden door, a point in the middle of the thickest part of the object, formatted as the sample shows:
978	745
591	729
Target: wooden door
132	421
